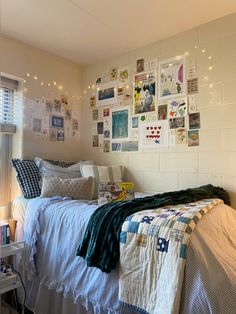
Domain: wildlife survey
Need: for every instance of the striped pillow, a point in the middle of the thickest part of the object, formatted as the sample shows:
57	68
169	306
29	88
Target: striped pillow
102	174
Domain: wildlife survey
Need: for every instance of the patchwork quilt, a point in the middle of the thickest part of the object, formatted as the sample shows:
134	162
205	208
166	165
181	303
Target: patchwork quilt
153	248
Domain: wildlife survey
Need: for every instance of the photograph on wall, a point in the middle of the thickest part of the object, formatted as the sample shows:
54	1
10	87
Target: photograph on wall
192	104
100	127
106	94
106	112
162	112
116	147
60	135
64	100
134	122
48	105
106	146
176	123
177	107
193	86
95	141
124	94
56	121
193	138
181	136
120	123
95	114
172	78
92	101
75	125
194	120
37	125
123	75
154	134
68	114
130	146
106	133
57	105
144	92
140	65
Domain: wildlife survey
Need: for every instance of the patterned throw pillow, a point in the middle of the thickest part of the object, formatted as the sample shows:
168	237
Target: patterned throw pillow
77	188
102	174
28	176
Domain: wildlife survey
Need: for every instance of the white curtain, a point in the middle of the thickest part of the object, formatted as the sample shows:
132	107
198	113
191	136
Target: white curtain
5	169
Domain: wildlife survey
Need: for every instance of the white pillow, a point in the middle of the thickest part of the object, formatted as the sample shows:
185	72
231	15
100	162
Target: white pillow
77	188
102	174
47	169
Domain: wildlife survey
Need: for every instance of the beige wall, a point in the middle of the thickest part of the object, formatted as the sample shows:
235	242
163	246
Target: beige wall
178	167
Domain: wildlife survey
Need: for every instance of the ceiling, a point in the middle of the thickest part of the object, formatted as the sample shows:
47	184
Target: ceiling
87	31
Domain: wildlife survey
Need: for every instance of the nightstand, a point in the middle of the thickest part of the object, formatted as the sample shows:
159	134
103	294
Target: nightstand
13	249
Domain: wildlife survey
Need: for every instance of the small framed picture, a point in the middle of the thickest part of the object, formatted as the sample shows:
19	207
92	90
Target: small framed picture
56	122
106	94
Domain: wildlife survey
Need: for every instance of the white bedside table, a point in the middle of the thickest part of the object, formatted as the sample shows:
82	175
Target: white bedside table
10	250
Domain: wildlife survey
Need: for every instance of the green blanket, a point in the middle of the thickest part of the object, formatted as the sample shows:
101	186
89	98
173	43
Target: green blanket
100	243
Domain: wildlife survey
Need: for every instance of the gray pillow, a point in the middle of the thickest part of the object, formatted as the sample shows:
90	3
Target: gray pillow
47	169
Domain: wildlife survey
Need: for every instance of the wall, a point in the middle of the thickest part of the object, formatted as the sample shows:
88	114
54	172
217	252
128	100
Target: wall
181	166
18	59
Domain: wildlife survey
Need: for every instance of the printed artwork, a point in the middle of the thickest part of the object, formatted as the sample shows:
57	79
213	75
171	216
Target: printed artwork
154	135
176	123
95	141
106	146
177	108
106	112
37	125
75	125
116	147
106	94
130	146
144	92
100	127
162	112
95	114
192	104
193	86
92	101
56	121
120	123
140	65
172	77
57	105
193	138
68	114
194	120
48	105
124	94
181	136
123	76
60	135
134	122
113	74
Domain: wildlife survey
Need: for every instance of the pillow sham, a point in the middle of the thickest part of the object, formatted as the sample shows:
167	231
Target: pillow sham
28	177
48	169
102	174
76	188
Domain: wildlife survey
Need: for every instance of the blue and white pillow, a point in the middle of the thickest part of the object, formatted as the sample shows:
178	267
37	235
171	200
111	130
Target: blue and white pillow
28	176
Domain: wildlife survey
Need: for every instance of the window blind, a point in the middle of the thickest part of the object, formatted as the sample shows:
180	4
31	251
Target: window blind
8	89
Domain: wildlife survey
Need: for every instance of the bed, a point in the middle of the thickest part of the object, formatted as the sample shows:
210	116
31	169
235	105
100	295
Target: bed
60	282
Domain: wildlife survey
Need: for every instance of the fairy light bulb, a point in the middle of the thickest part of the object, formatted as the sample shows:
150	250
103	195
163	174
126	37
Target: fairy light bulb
210	57
42	83
24	81
35	77
28	75
89	87
60	87
55	83
49	84
210	68
203	50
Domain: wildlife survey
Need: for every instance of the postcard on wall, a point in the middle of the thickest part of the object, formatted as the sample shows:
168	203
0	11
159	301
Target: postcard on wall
48	105
130	146
192	72
53	135
106	112
92	101
194	120
64	100
140	65
154	135
134	122
172	137
193	86
144	92
60	135
162	112
75	125
120	123
95	141
106	133
176	123
95	114
106	146
57	105
56	121
116	147
123	76
172	78
113	74
192	104
106	94
124	95
153	64
177	108
134	135
181	136
37	125
193	138
100	127
68	114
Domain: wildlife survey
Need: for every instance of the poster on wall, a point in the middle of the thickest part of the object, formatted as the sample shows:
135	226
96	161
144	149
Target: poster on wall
177	107
120	123
144	93
154	134
123	75
106	94
172	78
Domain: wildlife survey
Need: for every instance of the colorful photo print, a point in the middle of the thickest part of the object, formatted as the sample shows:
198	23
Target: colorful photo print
56	122
95	141
106	112
100	127
194	120
154	134
162	112
193	138
172	78
123	76
106	146
116	147
176	123
131	146
177	108
181	136
95	114
75	125
60	135
120	123
144	93
106	94
140	65
134	122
